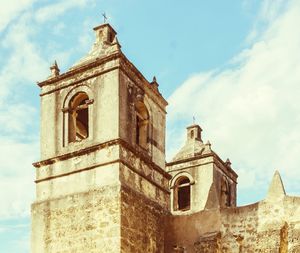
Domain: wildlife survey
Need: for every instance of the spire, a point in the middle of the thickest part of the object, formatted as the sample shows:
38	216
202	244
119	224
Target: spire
208	146
228	162
54	69
154	83
276	189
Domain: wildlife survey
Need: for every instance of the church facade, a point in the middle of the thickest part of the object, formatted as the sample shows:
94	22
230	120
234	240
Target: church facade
102	183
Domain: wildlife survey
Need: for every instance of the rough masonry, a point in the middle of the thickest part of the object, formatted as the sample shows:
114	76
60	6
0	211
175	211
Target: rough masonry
102	183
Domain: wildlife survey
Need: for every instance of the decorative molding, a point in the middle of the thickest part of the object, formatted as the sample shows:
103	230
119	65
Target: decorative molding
90	149
217	160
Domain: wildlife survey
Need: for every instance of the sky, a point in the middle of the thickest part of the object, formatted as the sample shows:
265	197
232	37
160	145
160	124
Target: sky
233	65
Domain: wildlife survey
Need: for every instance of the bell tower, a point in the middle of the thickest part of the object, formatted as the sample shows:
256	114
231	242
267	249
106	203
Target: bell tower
201	180
101	184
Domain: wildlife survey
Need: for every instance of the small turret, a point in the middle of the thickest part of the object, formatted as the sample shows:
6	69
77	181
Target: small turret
154	84
197	169
54	70
105	45
194	133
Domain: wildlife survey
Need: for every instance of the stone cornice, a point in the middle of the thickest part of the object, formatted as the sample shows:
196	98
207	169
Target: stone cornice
145	158
189	159
212	154
79	81
191	166
76	153
101	165
131	71
142	156
225	165
79	69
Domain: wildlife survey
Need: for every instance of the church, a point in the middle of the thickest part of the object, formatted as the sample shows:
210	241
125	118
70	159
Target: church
103	185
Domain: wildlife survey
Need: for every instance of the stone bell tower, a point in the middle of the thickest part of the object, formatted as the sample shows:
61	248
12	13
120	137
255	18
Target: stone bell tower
201	180
101	184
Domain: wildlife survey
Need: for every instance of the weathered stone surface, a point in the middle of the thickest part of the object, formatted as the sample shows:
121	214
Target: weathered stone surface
276	189
208	243
213	181
260	227
83	222
103	185
142	223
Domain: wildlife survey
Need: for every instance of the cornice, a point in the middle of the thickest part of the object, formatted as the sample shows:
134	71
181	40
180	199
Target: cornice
212	154
101	165
189	159
87	150
131	71
79	69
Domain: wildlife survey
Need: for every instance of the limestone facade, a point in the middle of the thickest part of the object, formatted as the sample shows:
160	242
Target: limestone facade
102	184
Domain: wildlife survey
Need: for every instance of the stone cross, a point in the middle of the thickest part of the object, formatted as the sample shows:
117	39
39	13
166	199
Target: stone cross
104	17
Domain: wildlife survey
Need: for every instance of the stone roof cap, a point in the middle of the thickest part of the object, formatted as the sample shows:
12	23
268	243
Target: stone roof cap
106	44
276	189
193	145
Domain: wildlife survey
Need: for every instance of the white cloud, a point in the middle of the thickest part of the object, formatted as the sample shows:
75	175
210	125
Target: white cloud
13	115
16	177
270	10
250	111
18	147
86	38
11	9
52	11
26	61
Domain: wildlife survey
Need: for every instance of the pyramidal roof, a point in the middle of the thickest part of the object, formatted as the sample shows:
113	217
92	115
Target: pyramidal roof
276	190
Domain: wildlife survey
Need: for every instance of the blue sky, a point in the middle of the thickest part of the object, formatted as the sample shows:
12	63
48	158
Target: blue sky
234	65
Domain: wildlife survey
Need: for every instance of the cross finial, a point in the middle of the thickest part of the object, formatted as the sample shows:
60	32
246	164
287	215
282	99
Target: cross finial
194	120
104	17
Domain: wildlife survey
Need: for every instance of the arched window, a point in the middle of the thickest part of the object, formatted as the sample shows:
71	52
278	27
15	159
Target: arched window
182	194
225	193
142	125
78	117
192	134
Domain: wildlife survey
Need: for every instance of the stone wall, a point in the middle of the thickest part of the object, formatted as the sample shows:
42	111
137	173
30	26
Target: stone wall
266	227
208	243
142	223
184	231
136	172
83	222
239	228
130	86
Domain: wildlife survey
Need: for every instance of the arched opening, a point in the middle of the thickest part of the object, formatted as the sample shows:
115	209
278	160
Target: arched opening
192	134
182	194
78	117
142	125
225	193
